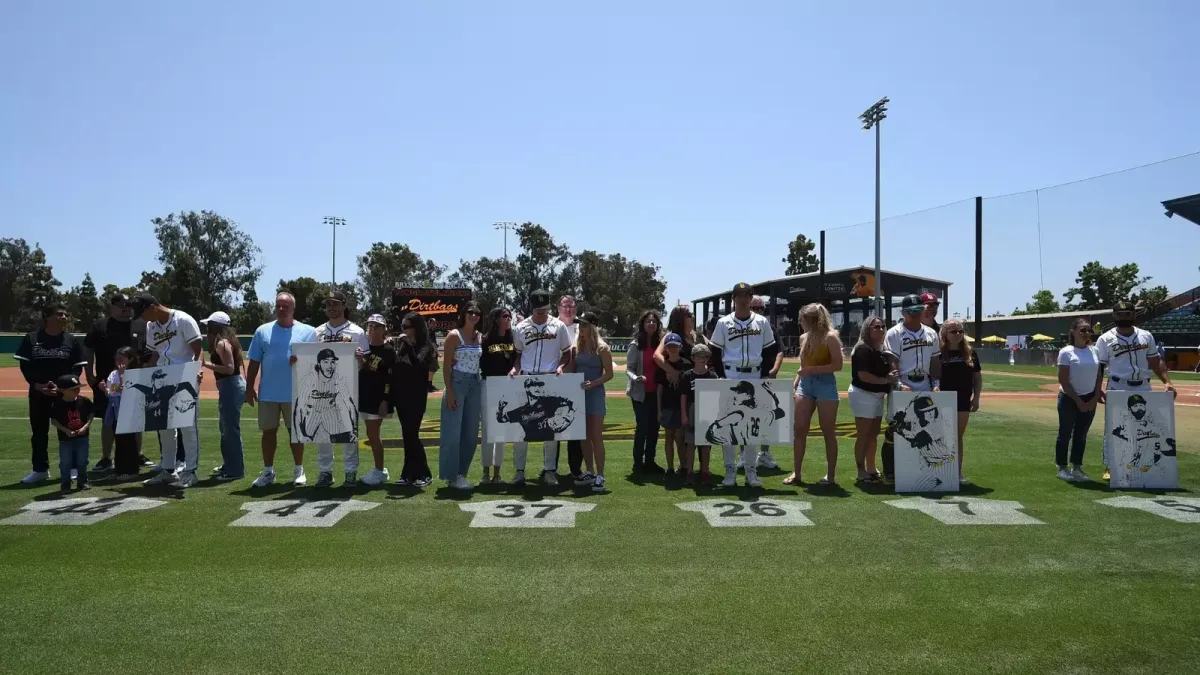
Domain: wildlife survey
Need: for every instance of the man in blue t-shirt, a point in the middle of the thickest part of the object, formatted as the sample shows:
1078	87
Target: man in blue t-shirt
271	352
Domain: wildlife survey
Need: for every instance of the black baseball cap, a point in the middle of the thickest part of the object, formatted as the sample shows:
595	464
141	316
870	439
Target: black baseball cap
742	287
66	382
923	403
539	299
326	354
1123	306
911	304
141	301
1135	399
743	387
337	295
118	299
589	318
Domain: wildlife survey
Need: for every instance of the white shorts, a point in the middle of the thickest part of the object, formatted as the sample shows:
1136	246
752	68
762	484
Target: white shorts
866	404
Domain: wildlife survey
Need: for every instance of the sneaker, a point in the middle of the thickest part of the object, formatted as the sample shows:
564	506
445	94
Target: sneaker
226	477
730	477
518	478
186	479
145	460
1063	474
653	467
752	479
375	477
598	485
74	474
84	485
265	478
155	467
497	480
65	488
422	482
461	483
670	472
324	479
1080	476
220	468
105	464
486	480
1107	474
160	478
549	479
402	482
766	461
586	478
36	477
299	479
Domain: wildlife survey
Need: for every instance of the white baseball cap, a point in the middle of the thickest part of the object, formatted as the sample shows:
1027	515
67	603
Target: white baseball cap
377	319
218	317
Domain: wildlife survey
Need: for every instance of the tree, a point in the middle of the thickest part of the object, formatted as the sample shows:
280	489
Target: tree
1100	287
306	290
1150	298
83	304
113	289
618	289
544	264
1043	303
800	258
206	259
27	284
493	282
386	266
251	314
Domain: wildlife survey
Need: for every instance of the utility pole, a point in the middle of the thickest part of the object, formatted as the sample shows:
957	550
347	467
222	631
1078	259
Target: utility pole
506	226
873	117
335	222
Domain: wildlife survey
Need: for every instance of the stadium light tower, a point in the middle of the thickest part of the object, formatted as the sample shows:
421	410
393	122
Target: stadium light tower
873	117
506	226
335	223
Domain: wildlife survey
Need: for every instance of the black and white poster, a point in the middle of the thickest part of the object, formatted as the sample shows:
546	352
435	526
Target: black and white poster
529	408
743	412
926	435
1139	430
324	389
160	398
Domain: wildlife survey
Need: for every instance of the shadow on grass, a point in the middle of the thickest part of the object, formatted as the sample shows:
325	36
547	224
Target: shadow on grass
1097	486
831	490
277	490
151	491
397	491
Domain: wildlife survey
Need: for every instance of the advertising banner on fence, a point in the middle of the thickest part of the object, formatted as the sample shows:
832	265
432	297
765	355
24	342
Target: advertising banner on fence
438	306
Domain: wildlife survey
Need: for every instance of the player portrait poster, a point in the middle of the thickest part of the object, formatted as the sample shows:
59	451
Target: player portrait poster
159	398
530	408
926	434
324	393
1139	429
743	412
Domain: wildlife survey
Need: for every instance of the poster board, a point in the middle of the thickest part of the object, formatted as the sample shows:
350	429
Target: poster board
1139	435
154	399
531	408
325	392
744	412
925	428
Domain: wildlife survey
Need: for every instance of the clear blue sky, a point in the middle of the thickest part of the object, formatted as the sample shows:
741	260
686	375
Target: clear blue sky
701	136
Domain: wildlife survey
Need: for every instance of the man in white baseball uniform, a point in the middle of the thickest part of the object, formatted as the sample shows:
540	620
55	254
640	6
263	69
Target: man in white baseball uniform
544	344
770	368
339	328
741	342
1131	355
912	348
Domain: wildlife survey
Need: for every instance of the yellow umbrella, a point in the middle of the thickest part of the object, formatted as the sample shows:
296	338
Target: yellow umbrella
970	339
994	338
1041	338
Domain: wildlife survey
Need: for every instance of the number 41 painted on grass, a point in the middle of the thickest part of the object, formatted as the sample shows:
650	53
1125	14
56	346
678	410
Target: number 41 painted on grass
298	512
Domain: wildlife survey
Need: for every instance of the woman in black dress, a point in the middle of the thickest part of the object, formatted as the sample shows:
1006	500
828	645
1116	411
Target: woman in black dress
416	358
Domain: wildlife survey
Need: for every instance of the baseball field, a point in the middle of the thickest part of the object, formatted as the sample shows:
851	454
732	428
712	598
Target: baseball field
1020	573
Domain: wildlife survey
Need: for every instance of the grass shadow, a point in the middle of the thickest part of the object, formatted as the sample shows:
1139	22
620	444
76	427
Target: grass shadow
1100	486
452	494
278	490
874	487
396	491
27	486
973	490
831	490
151	491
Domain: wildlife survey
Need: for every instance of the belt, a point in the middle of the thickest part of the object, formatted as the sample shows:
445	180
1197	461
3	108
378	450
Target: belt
1132	383
743	370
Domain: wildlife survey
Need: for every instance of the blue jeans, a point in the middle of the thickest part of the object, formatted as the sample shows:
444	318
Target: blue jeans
460	427
1073	428
231	393
72	454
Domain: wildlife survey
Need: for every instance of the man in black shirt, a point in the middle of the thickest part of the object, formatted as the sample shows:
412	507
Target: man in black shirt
103	340
45	355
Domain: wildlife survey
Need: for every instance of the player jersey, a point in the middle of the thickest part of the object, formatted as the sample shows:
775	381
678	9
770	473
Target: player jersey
1127	356
913	349
541	345
173	338
347	332
742	341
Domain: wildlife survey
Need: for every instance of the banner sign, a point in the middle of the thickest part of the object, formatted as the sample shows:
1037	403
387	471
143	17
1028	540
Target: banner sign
439	306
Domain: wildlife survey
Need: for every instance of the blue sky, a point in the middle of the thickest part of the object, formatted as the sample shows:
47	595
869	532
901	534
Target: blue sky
701	136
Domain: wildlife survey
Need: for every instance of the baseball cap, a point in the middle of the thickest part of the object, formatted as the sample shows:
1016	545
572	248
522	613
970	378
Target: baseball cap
376	319
927	298
217	317
743	387
1123	306
1135	399
118	299
911	304
337	295
66	382
742	287
589	318
923	403
539	299
326	354
673	339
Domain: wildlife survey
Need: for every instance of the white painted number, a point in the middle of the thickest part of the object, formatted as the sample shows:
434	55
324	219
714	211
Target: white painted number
79	511
777	513
969	510
503	513
1179	509
298	513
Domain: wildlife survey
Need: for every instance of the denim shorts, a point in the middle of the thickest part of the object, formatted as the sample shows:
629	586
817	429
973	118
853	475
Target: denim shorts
818	387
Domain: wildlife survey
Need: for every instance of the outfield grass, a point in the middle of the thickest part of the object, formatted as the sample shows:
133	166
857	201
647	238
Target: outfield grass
1052	371
637	586
7	361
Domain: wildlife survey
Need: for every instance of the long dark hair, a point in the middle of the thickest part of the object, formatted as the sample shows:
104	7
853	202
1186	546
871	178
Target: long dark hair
675	323
493	322
420	329
462	314
131	355
217	332
639	331
1075	331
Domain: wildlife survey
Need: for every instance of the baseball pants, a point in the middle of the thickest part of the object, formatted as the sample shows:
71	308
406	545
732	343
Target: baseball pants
1114	385
730	452
39	428
492	454
190	438
349	457
549	455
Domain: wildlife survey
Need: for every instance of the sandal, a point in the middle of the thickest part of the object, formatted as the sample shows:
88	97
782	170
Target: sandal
874	477
793	479
826	481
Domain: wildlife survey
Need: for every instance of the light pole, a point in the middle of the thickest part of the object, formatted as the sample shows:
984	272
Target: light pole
506	226
873	117
334	222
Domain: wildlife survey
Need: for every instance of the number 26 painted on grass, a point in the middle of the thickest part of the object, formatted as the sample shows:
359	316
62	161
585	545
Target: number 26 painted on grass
736	510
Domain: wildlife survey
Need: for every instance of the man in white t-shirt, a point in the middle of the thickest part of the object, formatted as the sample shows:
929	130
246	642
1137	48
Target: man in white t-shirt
339	328
544	344
1131	356
741	342
566	314
175	338
912	348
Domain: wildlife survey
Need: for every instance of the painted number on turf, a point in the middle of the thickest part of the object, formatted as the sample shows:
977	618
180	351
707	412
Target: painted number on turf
1179	509
504	513
775	513
79	511
969	510
298	513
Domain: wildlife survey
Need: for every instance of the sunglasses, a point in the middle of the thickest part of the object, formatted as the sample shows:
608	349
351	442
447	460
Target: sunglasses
954	332
506	316
471	312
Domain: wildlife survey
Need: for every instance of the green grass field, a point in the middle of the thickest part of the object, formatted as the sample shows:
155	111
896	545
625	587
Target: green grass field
638	585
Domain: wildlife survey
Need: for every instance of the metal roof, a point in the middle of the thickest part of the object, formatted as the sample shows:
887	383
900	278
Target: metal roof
1187	207
813	275
1055	315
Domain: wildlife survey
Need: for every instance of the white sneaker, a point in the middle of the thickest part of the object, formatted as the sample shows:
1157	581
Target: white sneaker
36	477
518	478
1066	475
74	474
752	478
375	477
766	461
265	478
598	485
461	484
298	477
549	479
730	477
585	479
161	478
1080	476
186	479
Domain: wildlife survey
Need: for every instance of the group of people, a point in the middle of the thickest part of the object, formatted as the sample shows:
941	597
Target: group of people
663	364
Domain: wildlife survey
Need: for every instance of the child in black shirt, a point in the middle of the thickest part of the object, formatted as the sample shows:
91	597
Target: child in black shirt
71	414
669	411
374	392
700	356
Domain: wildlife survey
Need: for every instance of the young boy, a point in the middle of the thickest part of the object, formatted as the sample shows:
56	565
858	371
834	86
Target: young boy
71	415
700	356
669	412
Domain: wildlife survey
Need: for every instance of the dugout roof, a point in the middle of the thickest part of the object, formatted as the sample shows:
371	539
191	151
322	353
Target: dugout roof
1187	207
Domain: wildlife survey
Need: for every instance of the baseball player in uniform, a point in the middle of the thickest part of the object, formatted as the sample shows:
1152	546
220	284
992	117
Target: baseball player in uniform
339	328
1131	355
741	342
913	348
545	348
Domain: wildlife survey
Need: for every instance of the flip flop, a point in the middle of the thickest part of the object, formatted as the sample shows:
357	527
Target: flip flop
793	479
826	481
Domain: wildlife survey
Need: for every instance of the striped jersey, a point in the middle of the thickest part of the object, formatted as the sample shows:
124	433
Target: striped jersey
541	345
1127	356
742	341
346	332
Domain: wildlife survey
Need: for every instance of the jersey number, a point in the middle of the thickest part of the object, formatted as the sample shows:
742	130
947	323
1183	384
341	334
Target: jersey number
735	510
518	510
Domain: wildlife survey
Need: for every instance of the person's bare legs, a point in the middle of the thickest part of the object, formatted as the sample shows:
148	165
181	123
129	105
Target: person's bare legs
298	453
705	458
804	413
595	425
376	442
669	443
269	438
827	418
872	444
862	436
963	418
107	439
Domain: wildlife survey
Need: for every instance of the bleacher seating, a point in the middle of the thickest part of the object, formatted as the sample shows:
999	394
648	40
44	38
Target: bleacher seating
1180	320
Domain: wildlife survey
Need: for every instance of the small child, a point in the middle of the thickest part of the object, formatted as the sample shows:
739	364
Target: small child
127	461
71	414
669	412
700	356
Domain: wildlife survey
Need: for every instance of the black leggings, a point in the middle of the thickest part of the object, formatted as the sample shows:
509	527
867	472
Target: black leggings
645	434
416	465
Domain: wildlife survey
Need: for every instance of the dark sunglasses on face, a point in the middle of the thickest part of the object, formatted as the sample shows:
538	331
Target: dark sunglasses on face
472	312
506	316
